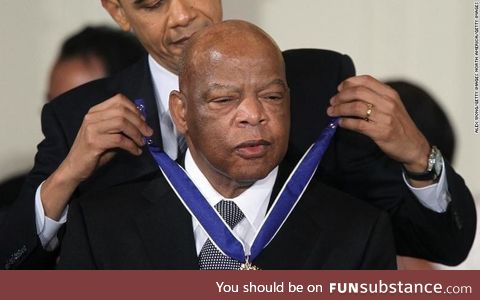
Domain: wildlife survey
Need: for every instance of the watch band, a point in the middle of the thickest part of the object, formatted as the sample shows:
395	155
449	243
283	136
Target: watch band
432	172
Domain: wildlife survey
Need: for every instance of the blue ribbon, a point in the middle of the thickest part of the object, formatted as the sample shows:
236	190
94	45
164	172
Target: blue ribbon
219	233
293	189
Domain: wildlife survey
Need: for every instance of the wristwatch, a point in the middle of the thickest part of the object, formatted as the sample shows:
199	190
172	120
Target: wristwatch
434	167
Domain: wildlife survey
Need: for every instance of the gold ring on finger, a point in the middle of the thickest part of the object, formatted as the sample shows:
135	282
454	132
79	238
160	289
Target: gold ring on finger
369	112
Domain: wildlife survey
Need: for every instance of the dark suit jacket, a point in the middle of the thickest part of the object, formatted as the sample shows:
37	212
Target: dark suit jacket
9	191
143	225
352	163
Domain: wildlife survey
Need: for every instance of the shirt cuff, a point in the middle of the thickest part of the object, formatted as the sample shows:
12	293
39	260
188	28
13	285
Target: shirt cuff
47	228
434	197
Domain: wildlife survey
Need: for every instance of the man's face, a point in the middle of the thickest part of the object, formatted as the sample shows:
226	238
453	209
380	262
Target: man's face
238	113
164	26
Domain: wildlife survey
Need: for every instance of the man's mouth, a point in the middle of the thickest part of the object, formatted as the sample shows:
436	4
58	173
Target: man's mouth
252	149
181	41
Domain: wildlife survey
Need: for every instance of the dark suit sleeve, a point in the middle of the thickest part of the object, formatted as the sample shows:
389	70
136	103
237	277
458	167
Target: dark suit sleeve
354	164
20	246
444	237
313	76
380	250
359	168
75	251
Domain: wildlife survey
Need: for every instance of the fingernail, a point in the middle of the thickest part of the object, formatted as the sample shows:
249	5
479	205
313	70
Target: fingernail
329	111
149	131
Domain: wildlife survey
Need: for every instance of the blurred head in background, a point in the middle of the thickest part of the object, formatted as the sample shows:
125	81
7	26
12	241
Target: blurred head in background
428	115
92	53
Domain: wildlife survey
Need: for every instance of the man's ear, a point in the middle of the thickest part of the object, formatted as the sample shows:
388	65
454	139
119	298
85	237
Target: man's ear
115	9
178	110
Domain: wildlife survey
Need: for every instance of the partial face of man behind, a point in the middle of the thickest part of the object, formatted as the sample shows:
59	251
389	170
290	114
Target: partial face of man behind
67	74
164	26
234	105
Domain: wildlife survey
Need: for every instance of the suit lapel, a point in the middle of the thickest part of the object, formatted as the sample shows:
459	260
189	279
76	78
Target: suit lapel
296	244
141	87
165	228
292	246
284	170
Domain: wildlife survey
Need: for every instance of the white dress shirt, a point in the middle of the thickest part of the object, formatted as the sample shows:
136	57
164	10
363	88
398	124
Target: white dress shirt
253	202
164	82
47	228
434	197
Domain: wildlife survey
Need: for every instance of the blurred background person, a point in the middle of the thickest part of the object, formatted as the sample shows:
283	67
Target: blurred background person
92	53
428	115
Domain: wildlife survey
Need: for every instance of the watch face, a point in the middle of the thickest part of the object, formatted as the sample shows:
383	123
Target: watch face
438	164
431	159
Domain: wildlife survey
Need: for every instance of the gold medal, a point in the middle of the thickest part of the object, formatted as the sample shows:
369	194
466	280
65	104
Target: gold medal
247	266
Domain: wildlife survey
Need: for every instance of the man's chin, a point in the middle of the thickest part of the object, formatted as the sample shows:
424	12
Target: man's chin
250	177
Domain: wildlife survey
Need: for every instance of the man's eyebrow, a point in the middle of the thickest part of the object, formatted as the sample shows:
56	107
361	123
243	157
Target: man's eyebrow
215	85
138	2
279	82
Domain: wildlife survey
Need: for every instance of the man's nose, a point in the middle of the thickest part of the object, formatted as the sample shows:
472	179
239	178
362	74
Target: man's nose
251	112
181	12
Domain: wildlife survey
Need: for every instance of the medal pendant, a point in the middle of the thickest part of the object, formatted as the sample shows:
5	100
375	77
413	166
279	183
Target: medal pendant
247	266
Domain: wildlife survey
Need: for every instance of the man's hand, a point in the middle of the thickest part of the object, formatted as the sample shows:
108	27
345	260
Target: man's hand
113	124
372	108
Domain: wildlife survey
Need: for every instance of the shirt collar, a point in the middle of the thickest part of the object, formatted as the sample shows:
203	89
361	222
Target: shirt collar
253	202
164	82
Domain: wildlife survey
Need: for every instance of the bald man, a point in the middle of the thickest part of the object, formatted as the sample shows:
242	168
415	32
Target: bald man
233	108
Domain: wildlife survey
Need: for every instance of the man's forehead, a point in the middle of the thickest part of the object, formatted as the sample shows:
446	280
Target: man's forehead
220	69
217	48
232	36
228	53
